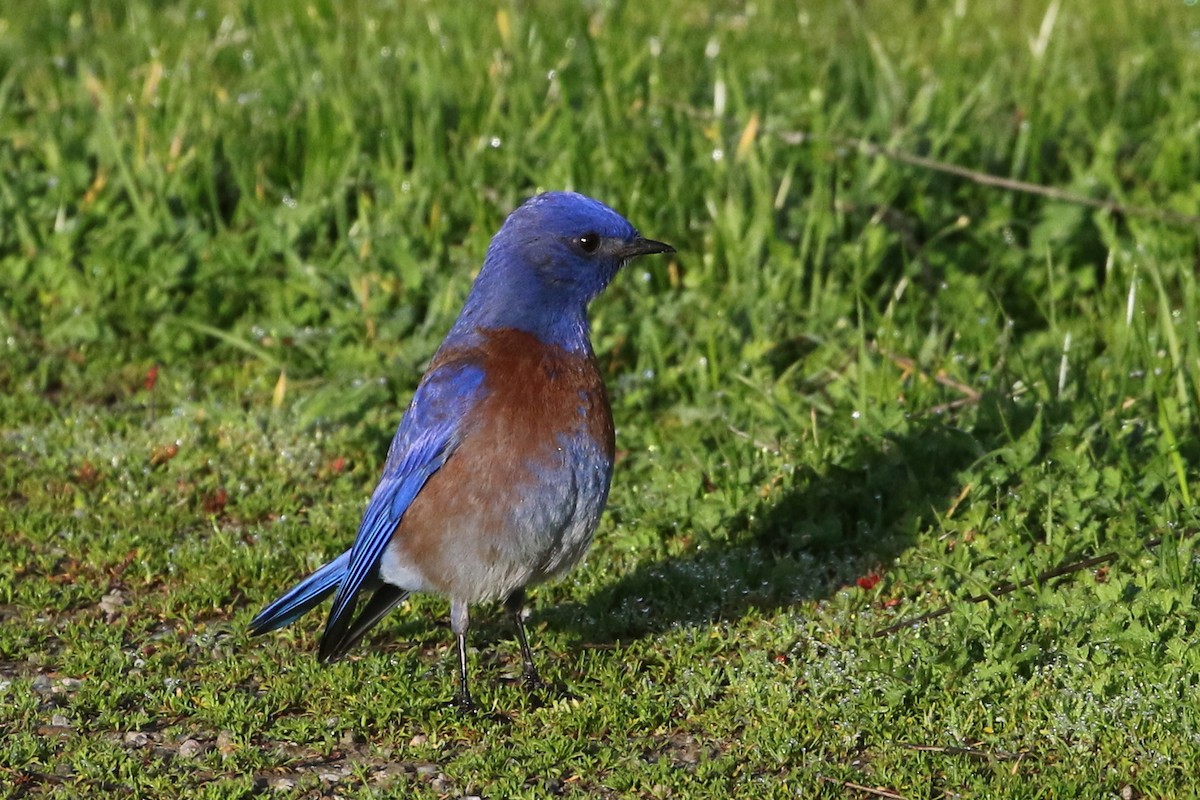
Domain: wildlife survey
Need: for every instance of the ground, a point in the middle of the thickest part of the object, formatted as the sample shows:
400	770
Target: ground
905	498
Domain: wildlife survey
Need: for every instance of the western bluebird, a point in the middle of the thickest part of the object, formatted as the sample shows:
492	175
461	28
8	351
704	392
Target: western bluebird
501	466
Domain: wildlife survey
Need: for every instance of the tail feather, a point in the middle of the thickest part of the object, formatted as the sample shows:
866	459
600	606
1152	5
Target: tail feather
302	597
385	598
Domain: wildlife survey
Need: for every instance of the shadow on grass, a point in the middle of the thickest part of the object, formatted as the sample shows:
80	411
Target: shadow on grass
802	542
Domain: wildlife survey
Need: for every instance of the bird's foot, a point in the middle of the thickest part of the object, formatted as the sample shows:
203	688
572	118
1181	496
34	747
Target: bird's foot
544	692
532	681
464	703
560	693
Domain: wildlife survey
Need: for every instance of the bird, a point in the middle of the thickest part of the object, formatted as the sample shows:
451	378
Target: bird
501	465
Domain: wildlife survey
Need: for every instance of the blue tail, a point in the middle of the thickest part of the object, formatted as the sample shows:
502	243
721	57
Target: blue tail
303	597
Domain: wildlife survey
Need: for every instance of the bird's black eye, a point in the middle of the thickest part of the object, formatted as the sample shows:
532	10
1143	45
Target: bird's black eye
589	242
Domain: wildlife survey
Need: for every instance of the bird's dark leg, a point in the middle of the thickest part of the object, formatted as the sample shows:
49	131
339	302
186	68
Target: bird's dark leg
460	620
515	604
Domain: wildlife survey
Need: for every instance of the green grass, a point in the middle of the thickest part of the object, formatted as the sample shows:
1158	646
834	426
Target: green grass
232	235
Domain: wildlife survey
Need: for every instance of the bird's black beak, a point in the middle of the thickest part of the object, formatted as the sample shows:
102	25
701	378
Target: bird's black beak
643	247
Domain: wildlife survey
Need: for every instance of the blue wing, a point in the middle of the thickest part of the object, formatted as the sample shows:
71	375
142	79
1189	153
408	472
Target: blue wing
429	432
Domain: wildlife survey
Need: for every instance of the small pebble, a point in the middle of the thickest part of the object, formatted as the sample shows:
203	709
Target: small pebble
136	739
388	774
226	743
111	604
42	684
68	685
190	748
60	721
282	784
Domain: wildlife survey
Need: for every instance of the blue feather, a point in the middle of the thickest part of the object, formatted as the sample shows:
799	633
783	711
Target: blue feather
302	598
427	436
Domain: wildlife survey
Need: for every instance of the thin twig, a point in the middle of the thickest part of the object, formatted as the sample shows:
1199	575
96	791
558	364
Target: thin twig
761	445
987	179
1000	590
888	793
910	367
1008	587
970	396
942	408
958	500
969	752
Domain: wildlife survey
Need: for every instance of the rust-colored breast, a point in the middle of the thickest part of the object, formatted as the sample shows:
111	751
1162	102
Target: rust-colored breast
537	392
528	479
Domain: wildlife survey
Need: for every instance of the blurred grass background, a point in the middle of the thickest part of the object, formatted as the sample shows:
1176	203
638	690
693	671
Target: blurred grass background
231	235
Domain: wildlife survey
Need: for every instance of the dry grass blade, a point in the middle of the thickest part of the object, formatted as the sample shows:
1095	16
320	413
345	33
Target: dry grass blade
987	179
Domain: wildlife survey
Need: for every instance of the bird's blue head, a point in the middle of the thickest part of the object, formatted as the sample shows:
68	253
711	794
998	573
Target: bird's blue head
553	254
